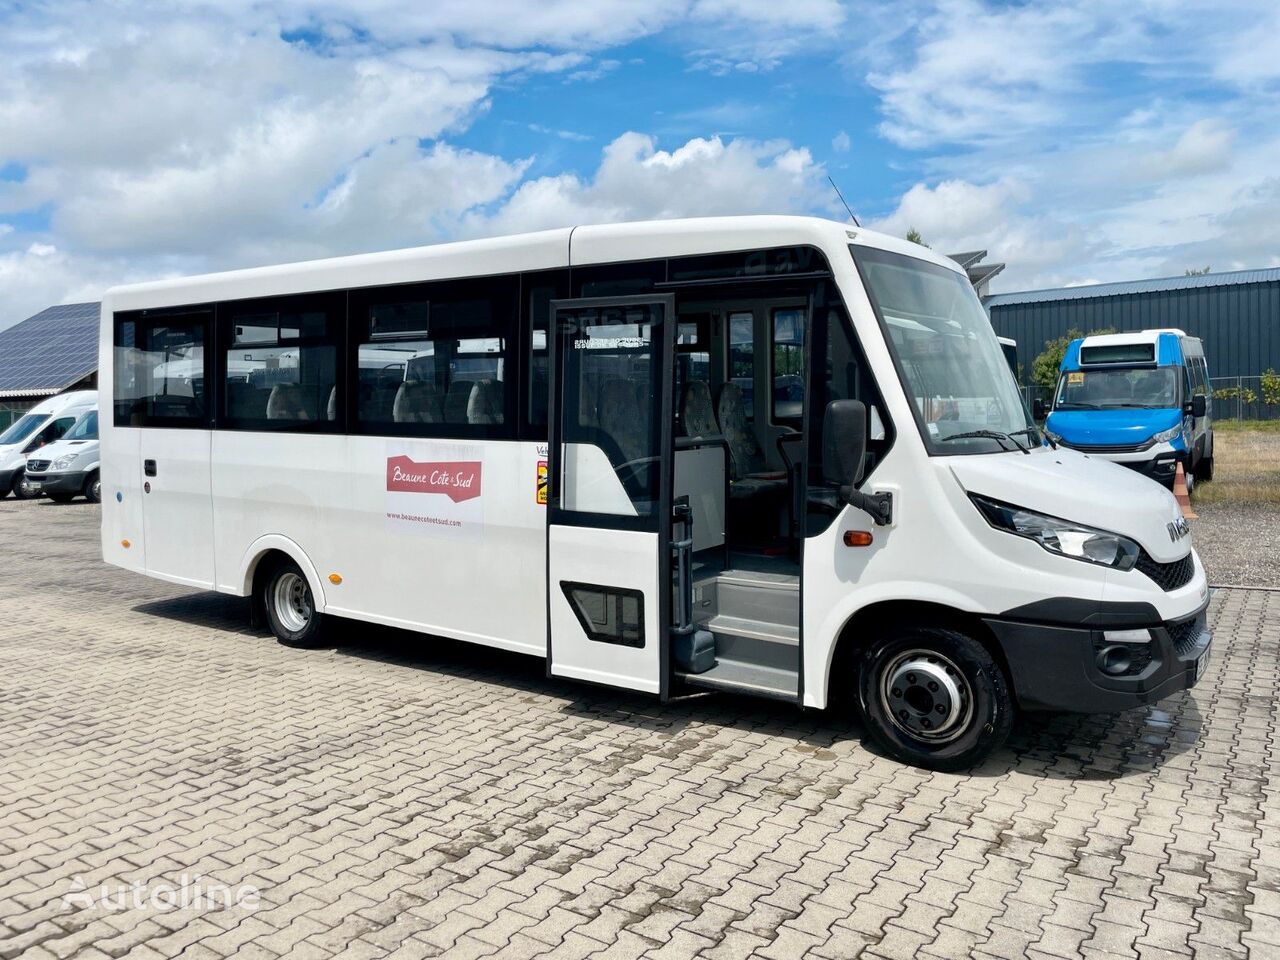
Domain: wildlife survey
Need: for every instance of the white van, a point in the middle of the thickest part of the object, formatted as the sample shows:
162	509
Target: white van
44	423
68	468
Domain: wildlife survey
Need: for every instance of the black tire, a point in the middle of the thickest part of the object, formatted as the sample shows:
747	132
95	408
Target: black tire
290	608
1204	470
955	682
93	488
4	492
61	497
21	489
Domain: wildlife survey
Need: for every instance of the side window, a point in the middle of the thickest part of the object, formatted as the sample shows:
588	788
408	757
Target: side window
693	357
539	289
159	370
840	372
52	432
742	362
432	358
281	358
786	333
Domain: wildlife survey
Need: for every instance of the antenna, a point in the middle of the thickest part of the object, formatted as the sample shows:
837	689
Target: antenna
842	200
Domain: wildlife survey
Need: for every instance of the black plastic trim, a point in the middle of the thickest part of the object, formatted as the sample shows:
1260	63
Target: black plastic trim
1075	611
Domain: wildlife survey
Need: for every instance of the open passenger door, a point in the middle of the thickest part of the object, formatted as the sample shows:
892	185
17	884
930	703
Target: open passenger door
610	492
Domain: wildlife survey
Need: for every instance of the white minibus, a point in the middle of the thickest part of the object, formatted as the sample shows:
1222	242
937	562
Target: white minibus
68	468
772	455
44	423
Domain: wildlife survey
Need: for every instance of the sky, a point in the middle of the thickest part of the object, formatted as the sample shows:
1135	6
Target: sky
1078	141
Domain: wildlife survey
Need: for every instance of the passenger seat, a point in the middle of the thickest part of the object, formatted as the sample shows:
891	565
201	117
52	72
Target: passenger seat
697	414
485	403
746	458
417	401
291	401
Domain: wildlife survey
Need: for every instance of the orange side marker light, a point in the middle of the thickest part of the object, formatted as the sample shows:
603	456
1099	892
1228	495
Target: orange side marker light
857	538
125	544
335	579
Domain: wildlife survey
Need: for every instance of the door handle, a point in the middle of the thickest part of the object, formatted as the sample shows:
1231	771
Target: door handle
149	468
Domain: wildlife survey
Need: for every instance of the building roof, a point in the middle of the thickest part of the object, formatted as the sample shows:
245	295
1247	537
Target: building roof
969	258
1160	285
47	353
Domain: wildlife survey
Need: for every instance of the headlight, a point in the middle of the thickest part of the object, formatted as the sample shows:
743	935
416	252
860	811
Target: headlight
62	463
1061	536
1165	435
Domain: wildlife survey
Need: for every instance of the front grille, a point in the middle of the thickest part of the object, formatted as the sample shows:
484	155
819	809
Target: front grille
1106	447
37	466
1186	635
1167	576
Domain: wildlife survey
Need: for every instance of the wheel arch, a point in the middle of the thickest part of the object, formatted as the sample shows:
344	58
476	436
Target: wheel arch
257	558
870	621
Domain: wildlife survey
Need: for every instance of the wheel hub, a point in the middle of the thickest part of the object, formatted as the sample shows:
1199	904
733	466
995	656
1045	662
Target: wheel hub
926	696
292	602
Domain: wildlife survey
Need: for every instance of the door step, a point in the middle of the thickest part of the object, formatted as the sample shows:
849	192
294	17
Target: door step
735	676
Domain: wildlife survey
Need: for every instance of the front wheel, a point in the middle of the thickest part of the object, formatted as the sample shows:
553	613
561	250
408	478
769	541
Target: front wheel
934	698
291	611
1204	469
23	488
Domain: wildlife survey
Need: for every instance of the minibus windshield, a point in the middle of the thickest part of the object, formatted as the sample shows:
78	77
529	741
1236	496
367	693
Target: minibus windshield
22	428
1149	388
86	428
950	362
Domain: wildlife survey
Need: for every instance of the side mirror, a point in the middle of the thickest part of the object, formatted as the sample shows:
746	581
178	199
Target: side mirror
1038	411
1199	406
844	442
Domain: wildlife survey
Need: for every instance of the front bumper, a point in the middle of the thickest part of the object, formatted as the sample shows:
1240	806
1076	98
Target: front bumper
68	481
1057	667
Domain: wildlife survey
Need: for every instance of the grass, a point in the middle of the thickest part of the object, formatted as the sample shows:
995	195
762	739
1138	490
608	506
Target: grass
1246	463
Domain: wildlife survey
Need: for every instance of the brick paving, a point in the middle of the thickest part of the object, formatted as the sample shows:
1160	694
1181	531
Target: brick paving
406	797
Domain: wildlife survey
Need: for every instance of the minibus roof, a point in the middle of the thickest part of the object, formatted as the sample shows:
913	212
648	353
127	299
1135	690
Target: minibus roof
75	400
548	249
1164	349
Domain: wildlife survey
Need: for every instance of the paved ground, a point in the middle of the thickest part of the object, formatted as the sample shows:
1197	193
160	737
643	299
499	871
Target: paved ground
403	798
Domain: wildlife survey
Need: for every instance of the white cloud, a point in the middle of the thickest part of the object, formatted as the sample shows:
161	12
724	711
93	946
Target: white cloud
637	181
840	143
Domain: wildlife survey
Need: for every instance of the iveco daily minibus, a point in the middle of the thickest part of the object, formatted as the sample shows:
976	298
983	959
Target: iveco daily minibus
772	455
1140	399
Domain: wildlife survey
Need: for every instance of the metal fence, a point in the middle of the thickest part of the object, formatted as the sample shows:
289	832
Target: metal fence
1243	398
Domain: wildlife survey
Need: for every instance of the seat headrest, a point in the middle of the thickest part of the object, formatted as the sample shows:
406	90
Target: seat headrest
417	401
697	415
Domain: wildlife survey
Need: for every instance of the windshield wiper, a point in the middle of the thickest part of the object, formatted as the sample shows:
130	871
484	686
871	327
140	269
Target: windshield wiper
1031	433
990	435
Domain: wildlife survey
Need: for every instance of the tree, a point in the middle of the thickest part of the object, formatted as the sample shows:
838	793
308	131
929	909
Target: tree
1270	387
1196	271
1044	369
914	236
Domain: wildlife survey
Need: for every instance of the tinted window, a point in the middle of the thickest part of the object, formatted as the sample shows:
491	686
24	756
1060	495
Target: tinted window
159	376
432	359
742	364
539	290
86	427
840	372
281	362
786	328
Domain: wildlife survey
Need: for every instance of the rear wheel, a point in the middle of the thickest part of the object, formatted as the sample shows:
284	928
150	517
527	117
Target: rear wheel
93	488
290	607
23	488
934	697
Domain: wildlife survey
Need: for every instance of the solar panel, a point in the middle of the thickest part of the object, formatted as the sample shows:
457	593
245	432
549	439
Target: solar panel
51	350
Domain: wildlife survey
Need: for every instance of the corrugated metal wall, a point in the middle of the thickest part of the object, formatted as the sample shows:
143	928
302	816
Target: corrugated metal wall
1239	324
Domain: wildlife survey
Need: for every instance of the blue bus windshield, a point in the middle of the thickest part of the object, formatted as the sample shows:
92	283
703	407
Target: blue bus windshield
1145	388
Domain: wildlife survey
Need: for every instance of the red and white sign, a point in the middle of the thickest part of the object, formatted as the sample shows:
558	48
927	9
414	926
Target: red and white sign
435	489
457	480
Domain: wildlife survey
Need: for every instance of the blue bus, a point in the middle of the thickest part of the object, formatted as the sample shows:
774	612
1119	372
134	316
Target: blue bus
1139	399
